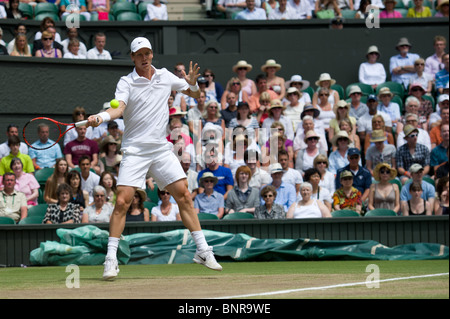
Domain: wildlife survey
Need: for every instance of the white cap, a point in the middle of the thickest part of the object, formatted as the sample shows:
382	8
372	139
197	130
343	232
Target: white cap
140	43
442	98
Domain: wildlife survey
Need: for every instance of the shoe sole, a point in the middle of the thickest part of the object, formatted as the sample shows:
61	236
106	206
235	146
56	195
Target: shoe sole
201	263
109	277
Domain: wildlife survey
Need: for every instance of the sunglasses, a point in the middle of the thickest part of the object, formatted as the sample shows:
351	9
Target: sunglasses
312	139
419	64
164	193
323	94
268	196
208	181
322	163
99	195
45	39
384	171
236	83
416	89
346	178
412	135
80	113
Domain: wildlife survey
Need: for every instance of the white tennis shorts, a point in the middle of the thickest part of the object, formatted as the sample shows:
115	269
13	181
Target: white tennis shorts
162	164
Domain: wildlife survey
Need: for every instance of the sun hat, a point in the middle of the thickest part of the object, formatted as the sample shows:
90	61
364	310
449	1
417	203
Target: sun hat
298	78
403	41
139	43
340	134
378	136
208	175
345	173
275	104
270	63
242	64
308	108
340	104
444	2
325	77
373	49
107	140
176	110
385	91
376	171
310	134
276	168
408	129
142	194
354	89
293	90
416	85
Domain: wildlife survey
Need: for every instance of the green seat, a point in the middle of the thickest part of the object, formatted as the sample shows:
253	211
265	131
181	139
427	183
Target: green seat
426	3
429	180
6	221
42	7
380	212
397	99
32	220
43	174
403	11
399	5
345	213
365	89
149	205
128	16
43	15
26	9
348	14
120	7
41	199
239	215
38	210
205	216
310	91
395	88
82	17
142	9
340	90
152	195
396	181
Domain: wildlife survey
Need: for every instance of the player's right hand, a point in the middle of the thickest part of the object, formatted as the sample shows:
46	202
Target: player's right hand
94	120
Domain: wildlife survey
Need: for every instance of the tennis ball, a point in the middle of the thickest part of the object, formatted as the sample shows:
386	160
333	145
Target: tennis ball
114	103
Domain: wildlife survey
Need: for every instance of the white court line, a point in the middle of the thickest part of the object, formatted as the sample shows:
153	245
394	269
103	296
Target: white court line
330	287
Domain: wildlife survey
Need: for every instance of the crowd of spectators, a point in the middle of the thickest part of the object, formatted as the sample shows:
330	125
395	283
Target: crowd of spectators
267	146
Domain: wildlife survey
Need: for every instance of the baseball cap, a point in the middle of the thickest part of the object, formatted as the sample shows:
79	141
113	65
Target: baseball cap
414	168
275	168
139	43
372	97
442	98
353	151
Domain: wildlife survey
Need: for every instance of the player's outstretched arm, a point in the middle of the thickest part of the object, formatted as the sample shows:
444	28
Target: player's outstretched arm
109	115
191	79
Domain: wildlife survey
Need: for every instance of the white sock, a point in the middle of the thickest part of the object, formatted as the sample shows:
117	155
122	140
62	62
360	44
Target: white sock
113	244
199	239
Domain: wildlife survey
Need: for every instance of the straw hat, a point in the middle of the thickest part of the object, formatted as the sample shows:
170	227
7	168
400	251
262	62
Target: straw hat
142	194
107	140
408	129
444	2
176	110
294	90
242	64
298	78
276	103
340	104
376	171
270	63
378	136
340	134
325	77
385	91
310	134
208	175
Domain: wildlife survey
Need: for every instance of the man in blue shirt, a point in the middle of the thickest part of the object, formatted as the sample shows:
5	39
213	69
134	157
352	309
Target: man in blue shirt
225	181
428	194
44	158
286	194
442	76
362	179
401	65
251	12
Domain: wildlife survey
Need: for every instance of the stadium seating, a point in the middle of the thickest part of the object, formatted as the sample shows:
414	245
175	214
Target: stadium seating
340	90
348	14
152	195
310	91
26	9
45	7
120	7
128	16
345	213
396	181
6	221
394	87
142	9
207	216
32	220
149	205
43	174
379	212
43	15
38	210
239	215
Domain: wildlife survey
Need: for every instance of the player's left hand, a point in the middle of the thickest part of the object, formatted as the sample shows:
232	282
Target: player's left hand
193	75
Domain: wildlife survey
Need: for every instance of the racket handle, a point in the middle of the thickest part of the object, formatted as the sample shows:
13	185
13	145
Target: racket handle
81	123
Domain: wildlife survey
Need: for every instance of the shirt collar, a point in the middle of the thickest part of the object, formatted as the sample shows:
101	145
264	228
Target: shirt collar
135	76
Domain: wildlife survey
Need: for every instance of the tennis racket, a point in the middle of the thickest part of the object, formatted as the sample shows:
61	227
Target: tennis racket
56	130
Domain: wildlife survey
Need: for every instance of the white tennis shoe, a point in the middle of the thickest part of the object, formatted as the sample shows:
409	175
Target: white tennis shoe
206	258
111	268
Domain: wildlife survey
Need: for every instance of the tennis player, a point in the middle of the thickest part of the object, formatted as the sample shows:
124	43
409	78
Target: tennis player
143	96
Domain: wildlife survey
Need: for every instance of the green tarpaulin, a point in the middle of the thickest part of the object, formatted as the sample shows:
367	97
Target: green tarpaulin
87	245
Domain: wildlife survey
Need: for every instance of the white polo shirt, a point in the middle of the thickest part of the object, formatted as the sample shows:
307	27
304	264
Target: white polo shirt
147	113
